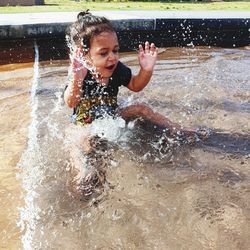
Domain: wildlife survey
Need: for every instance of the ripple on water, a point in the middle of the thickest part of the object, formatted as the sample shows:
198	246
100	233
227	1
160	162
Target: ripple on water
156	195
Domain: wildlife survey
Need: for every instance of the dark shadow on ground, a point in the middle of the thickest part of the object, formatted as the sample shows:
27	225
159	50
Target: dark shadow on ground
218	141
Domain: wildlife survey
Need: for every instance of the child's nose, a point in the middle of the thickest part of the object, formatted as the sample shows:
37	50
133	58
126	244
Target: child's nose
112	56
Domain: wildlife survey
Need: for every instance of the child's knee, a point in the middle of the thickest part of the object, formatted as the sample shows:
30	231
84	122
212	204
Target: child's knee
143	110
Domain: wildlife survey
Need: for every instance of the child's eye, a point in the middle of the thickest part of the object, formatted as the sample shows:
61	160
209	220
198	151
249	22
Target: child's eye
116	51
104	53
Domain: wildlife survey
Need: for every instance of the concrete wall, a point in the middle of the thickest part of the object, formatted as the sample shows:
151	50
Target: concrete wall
222	32
17	34
21	2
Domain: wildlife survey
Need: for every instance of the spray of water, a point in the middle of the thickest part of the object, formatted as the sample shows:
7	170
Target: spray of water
33	160
79	55
30	165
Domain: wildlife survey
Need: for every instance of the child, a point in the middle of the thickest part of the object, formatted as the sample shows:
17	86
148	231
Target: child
97	75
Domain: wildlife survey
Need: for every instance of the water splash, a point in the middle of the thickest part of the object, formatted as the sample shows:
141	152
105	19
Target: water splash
58	221
29	163
81	59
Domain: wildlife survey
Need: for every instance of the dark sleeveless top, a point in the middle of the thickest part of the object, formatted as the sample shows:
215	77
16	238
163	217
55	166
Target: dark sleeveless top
98	100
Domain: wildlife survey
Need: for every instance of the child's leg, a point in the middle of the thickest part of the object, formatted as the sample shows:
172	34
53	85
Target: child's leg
87	166
95	170
145	112
81	169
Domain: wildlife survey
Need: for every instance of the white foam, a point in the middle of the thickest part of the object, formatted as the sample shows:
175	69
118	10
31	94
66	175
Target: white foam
31	171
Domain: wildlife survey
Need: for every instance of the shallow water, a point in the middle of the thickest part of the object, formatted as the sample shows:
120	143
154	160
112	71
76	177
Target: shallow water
14	109
187	197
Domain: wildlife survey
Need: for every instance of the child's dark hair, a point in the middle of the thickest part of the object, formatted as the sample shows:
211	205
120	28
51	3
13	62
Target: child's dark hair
86	27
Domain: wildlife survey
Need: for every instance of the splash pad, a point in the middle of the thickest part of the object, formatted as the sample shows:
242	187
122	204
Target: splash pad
153	198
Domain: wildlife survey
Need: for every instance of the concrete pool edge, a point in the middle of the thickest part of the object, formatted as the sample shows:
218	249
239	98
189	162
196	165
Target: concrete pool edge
165	28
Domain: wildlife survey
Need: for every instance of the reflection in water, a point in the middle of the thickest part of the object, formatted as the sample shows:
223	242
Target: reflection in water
158	194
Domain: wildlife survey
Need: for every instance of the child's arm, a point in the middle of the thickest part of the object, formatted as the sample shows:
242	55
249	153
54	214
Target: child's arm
72	94
147	60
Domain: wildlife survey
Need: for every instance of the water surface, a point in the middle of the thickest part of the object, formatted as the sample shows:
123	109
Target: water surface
188	197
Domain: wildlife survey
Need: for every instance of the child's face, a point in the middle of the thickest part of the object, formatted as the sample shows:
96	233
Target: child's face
103	53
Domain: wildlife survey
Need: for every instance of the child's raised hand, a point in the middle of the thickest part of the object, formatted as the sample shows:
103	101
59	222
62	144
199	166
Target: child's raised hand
148	56
78	63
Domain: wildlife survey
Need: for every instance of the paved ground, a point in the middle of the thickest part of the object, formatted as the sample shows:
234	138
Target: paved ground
66	17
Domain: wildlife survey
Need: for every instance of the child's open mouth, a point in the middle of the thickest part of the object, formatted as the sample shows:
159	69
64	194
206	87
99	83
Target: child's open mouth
111	67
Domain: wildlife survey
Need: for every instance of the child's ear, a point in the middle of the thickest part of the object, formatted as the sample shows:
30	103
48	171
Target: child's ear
85	46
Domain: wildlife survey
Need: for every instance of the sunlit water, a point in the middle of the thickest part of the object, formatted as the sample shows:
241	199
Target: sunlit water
157	196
